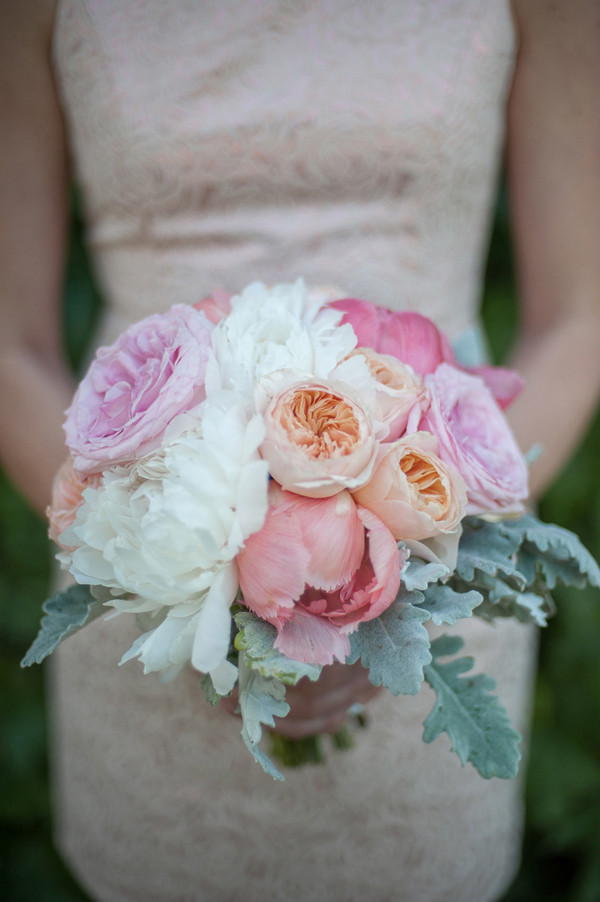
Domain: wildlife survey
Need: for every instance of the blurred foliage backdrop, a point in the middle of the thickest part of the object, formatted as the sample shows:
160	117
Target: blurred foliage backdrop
561	855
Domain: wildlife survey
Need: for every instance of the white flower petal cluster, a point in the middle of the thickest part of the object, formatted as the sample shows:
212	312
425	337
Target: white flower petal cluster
160	534
273	329
166	531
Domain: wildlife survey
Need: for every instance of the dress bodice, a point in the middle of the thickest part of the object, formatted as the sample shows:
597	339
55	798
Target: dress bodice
354	144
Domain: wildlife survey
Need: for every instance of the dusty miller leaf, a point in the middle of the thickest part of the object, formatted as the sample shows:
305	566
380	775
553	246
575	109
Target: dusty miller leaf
419	574
445	605
487	553
65	613
559	552
527	607
206	684
476	722
261	700
395	646
256	638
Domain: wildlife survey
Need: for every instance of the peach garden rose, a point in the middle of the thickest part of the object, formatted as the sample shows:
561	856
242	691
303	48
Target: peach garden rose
67	498
412	491
319	440
400	396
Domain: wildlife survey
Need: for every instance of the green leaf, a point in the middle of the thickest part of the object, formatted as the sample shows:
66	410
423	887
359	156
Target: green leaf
475	721
395	646
206	684
526	607
552	552
261	700
419	574
256	638
487	553
66	613
446	605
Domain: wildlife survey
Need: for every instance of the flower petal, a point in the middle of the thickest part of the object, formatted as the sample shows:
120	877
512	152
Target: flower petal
211	642
312	640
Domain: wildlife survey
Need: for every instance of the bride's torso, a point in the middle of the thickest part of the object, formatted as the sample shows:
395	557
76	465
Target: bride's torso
350	143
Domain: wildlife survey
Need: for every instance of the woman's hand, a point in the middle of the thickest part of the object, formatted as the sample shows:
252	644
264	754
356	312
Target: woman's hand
322	706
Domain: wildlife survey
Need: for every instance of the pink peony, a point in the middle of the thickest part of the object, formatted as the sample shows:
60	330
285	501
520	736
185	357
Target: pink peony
412	491
408	336
134	388
67	498
475	438
318	440
317	569
416	341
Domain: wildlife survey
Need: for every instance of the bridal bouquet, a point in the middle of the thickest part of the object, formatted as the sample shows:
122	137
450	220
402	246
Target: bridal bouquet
278	480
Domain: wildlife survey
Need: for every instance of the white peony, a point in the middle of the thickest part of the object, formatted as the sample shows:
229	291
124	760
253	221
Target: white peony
272	329
167	530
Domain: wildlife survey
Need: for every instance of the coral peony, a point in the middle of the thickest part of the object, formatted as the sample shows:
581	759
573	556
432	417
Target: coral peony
318	568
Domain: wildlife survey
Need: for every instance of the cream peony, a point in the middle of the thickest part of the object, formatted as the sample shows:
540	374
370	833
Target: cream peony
272	329
170	538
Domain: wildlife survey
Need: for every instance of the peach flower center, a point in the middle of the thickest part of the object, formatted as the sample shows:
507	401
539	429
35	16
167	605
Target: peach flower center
394	377
320	422
425	479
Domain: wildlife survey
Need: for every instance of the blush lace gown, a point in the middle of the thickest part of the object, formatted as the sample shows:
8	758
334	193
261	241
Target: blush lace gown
354	144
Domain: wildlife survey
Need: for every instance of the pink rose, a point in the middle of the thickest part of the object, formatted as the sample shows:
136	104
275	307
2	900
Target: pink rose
67	498
318	568
504	384
475	438
412	491
318	440
400	394
408	336
134	388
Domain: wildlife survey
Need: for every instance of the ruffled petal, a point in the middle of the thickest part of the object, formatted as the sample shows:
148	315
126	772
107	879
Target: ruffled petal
312	640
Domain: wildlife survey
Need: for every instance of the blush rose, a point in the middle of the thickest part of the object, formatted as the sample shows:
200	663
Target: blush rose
475	438
137	386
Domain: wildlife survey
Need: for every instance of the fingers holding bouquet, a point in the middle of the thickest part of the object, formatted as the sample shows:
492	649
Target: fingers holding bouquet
323	706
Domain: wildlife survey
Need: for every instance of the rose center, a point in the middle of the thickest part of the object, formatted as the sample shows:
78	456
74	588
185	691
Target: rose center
383	373
424	478
322	423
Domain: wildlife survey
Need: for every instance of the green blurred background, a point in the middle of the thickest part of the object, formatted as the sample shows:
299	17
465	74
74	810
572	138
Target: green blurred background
561	859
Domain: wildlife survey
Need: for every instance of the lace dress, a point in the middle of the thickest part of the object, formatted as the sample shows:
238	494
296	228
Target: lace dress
355	144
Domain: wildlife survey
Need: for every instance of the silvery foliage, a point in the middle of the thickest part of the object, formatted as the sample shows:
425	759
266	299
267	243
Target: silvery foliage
505	568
